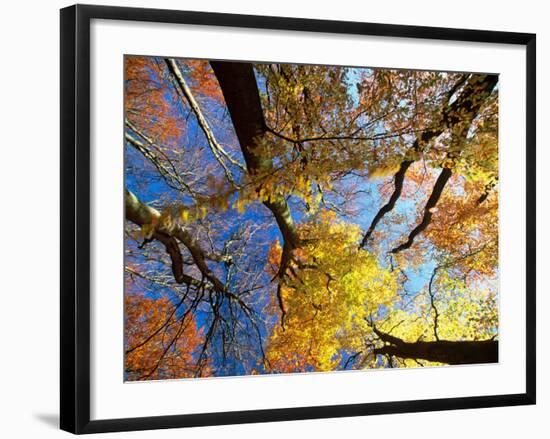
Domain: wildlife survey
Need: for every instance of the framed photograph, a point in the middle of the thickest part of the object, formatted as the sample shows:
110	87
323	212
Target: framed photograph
267	219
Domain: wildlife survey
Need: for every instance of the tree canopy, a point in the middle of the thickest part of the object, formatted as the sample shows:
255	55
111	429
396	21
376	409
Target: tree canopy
299	218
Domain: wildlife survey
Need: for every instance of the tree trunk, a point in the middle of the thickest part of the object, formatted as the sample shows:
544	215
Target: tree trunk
442	351
240	92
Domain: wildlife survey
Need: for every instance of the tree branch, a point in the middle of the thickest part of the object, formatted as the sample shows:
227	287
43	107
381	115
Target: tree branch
215	147
142	214
398	180
456	115
441	351
477	90
171	176
437	190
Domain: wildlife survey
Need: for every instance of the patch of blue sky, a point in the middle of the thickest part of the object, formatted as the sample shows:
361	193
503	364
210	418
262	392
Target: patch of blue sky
354	75
260	81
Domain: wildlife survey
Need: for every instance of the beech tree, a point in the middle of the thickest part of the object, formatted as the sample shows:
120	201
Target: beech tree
292	218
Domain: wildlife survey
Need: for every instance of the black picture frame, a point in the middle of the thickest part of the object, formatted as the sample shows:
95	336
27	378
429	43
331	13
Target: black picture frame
75	217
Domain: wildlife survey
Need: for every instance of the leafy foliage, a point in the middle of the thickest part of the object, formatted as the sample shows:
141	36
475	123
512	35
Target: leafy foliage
333	289
159	343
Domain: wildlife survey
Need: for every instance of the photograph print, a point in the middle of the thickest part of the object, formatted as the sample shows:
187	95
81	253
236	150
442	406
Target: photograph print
287	218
